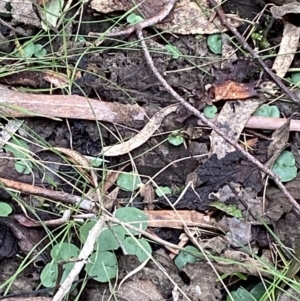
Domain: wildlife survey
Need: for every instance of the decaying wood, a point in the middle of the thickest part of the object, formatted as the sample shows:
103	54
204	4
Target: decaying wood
17	104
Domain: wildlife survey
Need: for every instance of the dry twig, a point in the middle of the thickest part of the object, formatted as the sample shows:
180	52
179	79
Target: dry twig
48	193
147	23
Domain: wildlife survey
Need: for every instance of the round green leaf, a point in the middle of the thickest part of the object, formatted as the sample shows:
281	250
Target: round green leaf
5	209
18	147
136	247
84	230
103	265
258	291
296	78
160	191
134	217
64	251
185	256
49	274
285	166
96	162
107	240
129	181
29	50
240	294
210	111
134	19
214	42
267	111
23	167
41	53
175	139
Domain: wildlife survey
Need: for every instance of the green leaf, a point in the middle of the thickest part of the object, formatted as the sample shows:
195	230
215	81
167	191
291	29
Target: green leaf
5	209
285	166
185	257
23	167
129	181
96	162
173	50
51	12
49	274
64	251
229	209
85	229
214	43
107	240
39	51
210	111
103	265
241	294
134	19
18	147
161	190
29	50
135	247
258	291
267	111
134	217
295	78
175	139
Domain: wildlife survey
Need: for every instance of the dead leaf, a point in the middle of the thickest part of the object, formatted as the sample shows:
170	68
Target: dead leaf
177	220
80	162
232	120
234	258
232	90
279	142
290	8
20	11
148	193
59	80
287	50
140	138
142	290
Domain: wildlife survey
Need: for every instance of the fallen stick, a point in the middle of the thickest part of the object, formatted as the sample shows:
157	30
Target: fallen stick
17	104
268	123
48	193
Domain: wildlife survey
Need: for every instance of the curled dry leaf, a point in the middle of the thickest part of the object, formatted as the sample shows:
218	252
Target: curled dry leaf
232	90
150	128
187	17
80	160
